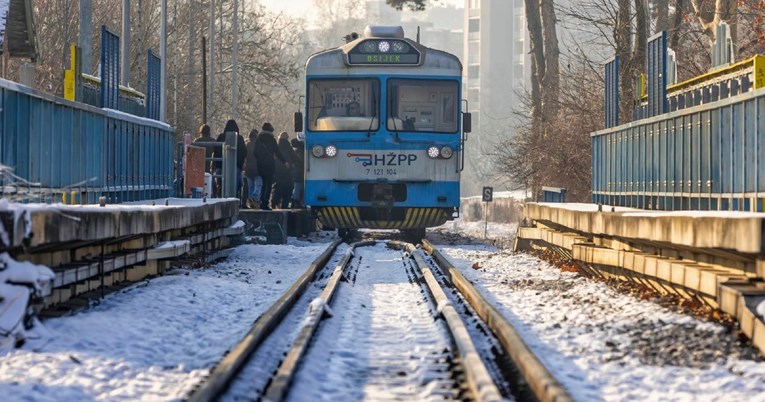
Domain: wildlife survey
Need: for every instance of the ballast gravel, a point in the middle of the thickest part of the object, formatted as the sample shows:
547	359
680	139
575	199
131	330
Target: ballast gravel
606	345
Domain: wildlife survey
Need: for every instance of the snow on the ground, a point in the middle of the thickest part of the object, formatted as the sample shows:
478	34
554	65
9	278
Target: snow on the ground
605	345
18	282
383	341
155	340
461	232
519	195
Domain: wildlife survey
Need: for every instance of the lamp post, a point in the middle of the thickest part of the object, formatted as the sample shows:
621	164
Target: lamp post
86	35
234	57
163	63
125	51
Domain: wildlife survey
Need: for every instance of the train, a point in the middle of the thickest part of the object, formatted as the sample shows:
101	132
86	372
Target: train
384	134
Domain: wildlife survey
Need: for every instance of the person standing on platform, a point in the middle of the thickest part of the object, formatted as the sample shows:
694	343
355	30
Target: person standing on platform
205	136
254	181
241	154
284	176
297	194
266	151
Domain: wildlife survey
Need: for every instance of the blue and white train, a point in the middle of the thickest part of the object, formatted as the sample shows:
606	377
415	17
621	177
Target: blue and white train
384	134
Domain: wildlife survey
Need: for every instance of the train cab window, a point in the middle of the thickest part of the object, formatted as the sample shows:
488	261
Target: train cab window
343	104
423	105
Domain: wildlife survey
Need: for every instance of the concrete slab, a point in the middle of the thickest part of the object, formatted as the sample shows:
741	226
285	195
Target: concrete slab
169	249
36	225
741	231
733	295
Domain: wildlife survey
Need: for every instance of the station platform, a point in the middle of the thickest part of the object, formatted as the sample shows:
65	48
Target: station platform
92	247
714	256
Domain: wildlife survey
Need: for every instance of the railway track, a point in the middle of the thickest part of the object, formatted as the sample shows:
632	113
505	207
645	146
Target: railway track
397	330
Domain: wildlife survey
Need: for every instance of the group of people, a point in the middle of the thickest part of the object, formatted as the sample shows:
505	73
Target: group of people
271	170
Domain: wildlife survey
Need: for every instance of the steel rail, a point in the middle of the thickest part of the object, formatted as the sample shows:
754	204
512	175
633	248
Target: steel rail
542	383
479	380
220	377
280	384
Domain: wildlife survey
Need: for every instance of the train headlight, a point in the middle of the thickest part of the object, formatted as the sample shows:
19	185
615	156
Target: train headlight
317	151
330	151
384	46
447	152
368	47
433	152
400	47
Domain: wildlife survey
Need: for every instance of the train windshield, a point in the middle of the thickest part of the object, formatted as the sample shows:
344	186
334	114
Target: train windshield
343	104
422	105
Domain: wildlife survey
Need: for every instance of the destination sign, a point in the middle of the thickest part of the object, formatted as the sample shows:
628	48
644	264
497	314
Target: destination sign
384	51
384	58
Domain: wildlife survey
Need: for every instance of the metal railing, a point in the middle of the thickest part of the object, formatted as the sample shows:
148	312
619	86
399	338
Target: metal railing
704	157
54	150
222	168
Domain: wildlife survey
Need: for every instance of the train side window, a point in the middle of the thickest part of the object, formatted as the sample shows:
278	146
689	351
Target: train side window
343	104
422	105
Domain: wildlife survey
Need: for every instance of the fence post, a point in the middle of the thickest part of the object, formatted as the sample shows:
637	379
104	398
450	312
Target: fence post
229	166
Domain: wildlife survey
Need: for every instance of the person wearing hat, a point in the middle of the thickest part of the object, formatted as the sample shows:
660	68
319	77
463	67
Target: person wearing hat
266	152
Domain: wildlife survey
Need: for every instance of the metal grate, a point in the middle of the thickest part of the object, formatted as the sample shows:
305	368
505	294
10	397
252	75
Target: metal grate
110	69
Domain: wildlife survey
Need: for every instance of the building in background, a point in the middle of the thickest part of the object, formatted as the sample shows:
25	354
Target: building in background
379	13
440	26
496	69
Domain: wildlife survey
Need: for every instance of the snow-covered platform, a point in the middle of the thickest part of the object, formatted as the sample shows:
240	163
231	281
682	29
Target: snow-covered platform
739	231
91	247
715	256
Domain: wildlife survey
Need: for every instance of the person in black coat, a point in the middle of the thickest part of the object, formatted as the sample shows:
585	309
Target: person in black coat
297	193
284	181
241	154
266	151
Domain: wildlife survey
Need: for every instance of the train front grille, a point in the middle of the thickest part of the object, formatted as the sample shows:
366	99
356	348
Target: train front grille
382	218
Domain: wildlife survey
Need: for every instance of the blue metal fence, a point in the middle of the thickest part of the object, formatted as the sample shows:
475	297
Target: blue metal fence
110	69
553	194
153	86
612	92
703	157
656	74
59	148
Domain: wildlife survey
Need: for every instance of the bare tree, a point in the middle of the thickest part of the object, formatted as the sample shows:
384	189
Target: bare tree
270	46
337	18
551	77
534	22
710	15
414	5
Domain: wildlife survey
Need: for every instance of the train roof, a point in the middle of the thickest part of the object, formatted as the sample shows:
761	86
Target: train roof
383	50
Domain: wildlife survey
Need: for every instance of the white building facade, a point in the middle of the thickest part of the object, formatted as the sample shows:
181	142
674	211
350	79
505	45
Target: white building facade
496	70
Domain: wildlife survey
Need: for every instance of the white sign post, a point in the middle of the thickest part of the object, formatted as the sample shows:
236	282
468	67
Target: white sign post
487	197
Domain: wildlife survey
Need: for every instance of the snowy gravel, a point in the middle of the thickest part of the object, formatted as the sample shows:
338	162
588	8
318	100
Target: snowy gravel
155	340
604	345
